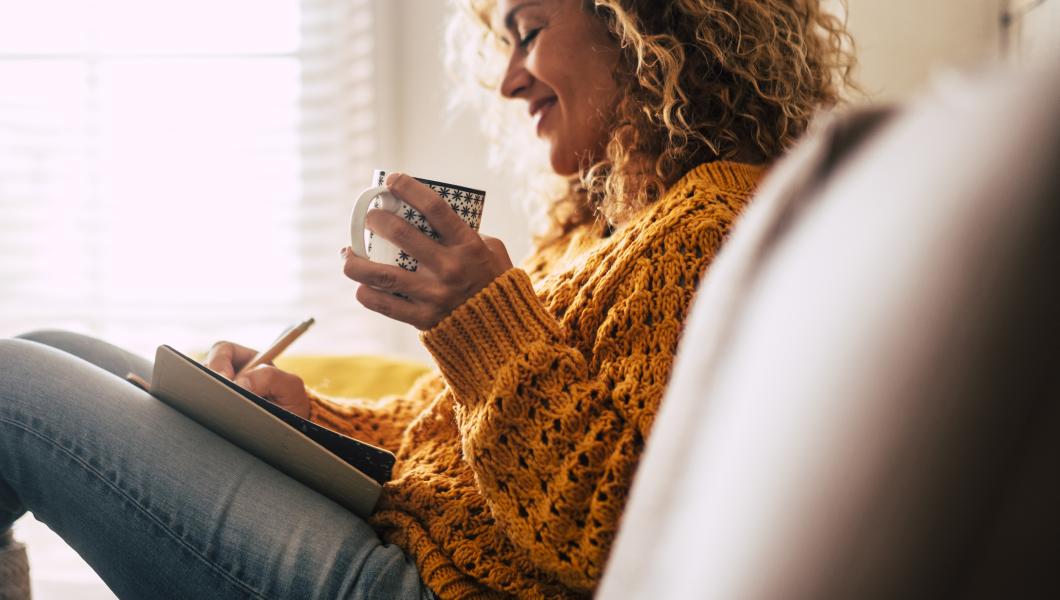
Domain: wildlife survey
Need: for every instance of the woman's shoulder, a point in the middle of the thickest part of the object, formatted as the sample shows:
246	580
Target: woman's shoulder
725	182
709	195
708	198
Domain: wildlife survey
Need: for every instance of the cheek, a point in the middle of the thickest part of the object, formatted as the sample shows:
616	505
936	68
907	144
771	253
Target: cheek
604	95
603	68
598	96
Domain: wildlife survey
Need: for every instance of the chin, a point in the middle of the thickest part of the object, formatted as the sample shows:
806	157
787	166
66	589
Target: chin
564	169
563	163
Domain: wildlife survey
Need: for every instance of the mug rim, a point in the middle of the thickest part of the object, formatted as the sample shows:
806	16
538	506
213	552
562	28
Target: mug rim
450	185
453	186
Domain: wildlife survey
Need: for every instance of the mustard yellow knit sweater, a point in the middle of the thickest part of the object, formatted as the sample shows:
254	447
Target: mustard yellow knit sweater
516	457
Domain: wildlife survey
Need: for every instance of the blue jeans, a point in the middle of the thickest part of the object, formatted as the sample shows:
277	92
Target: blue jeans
159	506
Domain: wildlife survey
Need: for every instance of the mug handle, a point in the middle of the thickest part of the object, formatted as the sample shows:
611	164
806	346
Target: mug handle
360	213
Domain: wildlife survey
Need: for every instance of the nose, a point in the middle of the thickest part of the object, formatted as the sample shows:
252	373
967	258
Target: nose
516	78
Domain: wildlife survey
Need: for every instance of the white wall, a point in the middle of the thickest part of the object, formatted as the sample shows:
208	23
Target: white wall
1035	32
903	43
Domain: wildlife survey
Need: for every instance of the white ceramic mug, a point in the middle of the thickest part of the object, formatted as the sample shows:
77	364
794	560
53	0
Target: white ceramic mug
466	202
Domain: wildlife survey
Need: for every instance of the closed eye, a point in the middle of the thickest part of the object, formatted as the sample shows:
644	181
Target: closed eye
529	37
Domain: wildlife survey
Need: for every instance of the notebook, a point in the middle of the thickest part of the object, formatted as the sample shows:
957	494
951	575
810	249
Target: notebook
344	469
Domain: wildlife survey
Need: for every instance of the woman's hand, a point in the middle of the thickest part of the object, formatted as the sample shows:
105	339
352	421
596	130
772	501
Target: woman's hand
451	270
284	389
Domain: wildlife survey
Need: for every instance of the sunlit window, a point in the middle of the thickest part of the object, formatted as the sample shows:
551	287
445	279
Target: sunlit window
174	171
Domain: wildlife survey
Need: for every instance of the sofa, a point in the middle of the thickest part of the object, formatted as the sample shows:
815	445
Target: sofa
866	400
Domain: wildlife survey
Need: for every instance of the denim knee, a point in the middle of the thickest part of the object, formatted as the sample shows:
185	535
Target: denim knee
17	353
26	368
56	338
13	354
98	352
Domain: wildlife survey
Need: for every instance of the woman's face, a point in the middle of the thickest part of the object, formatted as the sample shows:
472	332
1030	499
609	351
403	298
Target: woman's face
561	63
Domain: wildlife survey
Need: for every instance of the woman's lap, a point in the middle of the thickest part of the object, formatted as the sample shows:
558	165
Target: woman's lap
160	506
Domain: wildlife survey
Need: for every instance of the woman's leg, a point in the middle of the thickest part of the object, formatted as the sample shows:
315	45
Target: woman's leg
102	354
161	507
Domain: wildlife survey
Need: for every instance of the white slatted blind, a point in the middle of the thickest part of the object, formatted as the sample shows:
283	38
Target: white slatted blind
176	172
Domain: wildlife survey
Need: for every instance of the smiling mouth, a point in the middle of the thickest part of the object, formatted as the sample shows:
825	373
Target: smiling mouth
539	110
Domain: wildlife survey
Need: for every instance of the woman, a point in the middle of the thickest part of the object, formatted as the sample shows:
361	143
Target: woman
515	458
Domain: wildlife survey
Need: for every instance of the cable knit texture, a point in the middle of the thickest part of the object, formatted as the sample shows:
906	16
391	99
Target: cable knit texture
515	459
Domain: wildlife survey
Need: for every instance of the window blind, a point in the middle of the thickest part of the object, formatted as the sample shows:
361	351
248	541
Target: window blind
181	172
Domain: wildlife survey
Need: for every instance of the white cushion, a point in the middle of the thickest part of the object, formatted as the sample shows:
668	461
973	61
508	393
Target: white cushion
861	367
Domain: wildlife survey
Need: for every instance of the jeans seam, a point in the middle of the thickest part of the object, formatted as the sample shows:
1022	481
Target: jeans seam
142	509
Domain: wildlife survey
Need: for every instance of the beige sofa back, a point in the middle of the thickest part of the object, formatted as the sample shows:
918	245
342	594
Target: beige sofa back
865	402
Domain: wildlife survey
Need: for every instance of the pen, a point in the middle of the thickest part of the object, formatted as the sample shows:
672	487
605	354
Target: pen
138	381
281	343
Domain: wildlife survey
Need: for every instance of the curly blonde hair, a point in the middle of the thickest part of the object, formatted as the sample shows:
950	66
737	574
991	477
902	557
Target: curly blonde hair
700	80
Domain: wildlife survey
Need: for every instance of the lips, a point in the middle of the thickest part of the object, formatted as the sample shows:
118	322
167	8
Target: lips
539	109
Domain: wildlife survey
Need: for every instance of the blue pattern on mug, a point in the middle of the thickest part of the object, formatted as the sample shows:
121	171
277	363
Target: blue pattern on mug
467	204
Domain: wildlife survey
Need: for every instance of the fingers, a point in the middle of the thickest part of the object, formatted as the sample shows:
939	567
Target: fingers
270	382
284	389
404	235
450	227
387	278
224	358
429	294
423	302
420	315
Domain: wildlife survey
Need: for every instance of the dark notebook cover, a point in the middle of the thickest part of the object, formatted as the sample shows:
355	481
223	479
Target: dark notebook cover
371	460
293	444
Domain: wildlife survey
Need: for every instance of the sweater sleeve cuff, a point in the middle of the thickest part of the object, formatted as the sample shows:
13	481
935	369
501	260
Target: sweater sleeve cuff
314	404
492	328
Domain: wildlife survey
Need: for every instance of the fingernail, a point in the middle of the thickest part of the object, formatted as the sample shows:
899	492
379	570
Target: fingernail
345	252
243	382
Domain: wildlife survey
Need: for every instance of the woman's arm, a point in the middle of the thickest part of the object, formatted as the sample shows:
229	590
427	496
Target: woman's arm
379	422
554	432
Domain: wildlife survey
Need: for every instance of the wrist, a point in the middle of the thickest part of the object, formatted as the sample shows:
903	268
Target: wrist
503	322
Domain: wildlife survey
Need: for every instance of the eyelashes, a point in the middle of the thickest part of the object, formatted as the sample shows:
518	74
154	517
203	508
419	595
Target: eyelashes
527	39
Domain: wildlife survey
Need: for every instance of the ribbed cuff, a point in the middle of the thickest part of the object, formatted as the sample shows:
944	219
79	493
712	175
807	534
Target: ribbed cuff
314	404
488	331
324	413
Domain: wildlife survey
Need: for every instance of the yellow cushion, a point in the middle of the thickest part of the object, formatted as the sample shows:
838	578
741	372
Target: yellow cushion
354	376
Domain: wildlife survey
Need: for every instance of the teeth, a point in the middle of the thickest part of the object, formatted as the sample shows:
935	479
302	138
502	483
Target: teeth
539	113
